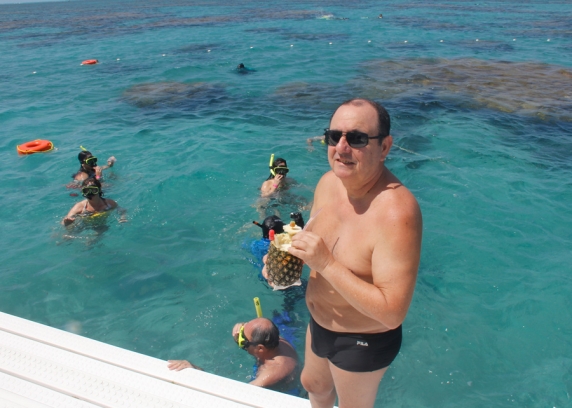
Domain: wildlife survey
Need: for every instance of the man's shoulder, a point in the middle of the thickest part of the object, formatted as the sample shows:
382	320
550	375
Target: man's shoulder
396	204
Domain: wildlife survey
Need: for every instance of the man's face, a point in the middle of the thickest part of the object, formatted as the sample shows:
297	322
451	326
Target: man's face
360	164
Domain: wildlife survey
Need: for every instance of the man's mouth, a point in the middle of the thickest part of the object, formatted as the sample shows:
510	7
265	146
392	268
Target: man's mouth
345	161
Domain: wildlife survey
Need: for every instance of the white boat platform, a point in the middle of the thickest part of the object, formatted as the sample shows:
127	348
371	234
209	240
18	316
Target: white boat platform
41	366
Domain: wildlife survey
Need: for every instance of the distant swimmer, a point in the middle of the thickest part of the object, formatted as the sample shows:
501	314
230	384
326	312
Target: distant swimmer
310	141
241	69
88	166
276	360
380	16
277	179
93	204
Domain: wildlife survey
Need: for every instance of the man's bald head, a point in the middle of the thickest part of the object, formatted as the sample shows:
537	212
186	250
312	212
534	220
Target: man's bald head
264	332
383	121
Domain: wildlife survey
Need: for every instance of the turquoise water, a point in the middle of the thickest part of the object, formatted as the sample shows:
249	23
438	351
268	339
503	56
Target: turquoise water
482	132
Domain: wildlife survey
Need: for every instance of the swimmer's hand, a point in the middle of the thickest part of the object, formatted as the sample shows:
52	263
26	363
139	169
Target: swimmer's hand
178	365
265	271
235	331
68	220
111	161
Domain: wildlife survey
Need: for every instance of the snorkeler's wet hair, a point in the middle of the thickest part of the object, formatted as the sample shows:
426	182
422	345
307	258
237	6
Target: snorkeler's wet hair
84	154
91	181
268	336
383	121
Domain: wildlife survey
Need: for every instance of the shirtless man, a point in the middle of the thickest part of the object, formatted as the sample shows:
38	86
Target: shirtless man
363	249
276	358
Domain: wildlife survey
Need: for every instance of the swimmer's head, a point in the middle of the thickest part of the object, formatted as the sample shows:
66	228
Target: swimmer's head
85	157
240	66
258	336
279	167
271	223
90	188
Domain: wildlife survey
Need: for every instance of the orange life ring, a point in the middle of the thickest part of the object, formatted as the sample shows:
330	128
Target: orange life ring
90	62
35	146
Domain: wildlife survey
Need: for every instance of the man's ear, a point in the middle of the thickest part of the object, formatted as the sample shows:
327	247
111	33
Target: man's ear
386	144
259	348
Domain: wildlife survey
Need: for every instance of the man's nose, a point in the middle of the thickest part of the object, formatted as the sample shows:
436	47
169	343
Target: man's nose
342	146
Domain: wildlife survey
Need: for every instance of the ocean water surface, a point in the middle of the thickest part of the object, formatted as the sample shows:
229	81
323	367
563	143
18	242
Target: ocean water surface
480	97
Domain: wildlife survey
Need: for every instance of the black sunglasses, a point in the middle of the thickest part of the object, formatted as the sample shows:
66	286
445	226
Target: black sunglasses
354	138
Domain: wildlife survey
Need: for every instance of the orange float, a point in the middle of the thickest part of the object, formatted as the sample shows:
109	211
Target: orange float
90	62
35	146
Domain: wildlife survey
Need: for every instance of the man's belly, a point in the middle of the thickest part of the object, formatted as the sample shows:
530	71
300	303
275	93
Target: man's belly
331	311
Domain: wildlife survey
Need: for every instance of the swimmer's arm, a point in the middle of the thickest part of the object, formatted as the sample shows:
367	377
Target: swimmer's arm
74	184
266	377
120	210
99	169
314	139
80	176
270	186
70	217
110	162
178	365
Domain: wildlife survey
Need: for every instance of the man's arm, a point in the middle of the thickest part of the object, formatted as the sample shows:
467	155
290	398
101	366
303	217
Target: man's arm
268	376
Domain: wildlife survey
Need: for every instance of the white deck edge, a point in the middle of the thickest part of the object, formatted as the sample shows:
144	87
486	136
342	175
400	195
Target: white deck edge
45	363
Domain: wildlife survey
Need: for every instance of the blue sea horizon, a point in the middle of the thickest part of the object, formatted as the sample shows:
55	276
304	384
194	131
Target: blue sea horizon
479	97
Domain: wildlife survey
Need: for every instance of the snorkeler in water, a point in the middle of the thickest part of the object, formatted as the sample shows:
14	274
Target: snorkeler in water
93	204
88	166
241	69
310	141
277	179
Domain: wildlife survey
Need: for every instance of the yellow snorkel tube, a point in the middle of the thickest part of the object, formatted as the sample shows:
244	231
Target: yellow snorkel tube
83	148
271	165
257	307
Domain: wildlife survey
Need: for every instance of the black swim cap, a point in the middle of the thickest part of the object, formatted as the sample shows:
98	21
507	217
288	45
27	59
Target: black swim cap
84	154
272	223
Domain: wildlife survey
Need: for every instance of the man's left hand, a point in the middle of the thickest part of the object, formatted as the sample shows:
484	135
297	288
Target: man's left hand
312	249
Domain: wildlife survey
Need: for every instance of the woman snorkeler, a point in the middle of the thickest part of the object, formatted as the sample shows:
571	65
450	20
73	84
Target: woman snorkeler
277	179
93	204
88	166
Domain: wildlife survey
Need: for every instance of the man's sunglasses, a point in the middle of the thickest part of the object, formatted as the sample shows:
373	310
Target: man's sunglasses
90	190
354	138
242	341
91	161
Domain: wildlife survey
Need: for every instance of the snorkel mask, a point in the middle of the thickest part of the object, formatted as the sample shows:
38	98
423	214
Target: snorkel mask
242	340
90	191
91	161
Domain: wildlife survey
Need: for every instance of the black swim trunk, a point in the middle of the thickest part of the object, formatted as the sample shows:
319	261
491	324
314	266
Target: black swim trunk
353	351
